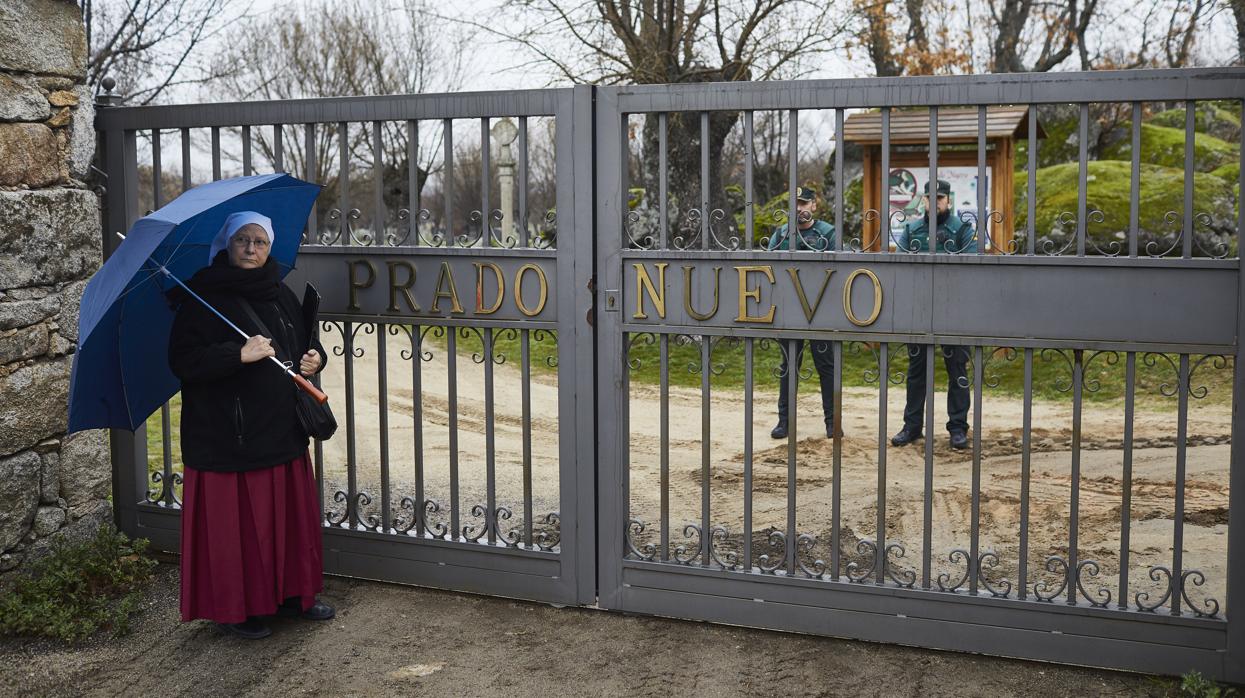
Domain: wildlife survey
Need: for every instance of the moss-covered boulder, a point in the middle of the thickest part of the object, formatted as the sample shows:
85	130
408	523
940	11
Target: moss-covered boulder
1164	145
1217	119
1108	190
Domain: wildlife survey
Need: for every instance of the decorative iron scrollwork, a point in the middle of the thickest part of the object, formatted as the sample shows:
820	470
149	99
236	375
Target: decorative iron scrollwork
681	555
805	543
341	498
954	557
1042	589
989	559
1170	218
1217	362
904	578
1103	597
1199	579
1157	574
728	560
436	529
856	573
766	562
1090	383
548	539
469	530
634	528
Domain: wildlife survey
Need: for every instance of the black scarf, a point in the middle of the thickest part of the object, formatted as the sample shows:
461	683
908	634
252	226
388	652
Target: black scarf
260	284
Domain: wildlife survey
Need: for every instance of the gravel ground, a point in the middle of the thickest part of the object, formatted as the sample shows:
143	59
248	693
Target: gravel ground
396	640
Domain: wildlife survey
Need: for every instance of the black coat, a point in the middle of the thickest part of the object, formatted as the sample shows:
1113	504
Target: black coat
235	416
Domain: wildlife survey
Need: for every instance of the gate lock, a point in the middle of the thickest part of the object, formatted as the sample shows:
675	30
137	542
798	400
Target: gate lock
611	301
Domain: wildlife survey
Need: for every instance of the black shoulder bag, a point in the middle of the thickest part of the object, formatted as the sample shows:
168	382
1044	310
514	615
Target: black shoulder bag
316	418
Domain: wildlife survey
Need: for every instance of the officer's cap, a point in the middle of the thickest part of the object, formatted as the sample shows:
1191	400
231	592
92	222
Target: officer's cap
805	194
944	188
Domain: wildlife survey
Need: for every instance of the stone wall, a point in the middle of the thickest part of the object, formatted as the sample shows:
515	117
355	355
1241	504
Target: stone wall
51	485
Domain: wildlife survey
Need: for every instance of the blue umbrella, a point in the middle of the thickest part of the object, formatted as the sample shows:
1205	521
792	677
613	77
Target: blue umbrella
121	370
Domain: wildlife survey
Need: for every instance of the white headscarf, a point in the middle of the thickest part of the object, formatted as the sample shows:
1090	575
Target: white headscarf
233	224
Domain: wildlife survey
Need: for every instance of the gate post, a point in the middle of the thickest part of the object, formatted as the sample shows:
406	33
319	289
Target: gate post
119	157
1234	662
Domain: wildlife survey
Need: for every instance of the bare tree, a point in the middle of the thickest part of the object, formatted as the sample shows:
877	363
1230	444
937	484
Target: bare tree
333	49
151	46
674	41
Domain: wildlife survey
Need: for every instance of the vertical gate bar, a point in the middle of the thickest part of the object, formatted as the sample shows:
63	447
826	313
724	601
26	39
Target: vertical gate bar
451	356
883	385
704	184
1236	476
884	207
1082	142
836	484
278	149
185	159
412	181
1182	434
448	186
793	369
486	228
748	430
1074	513
523	239
838	199
1031	161
1126	506
974	551
311	173
793	156
490	439
352	483
343	181
1022	590
246	151
983	217
749	206
1134	192
417	424
157	188
166	434
665	446
382	390
663	180
378	187
215	153
927	527
705	444
526	360
931	211
1187	241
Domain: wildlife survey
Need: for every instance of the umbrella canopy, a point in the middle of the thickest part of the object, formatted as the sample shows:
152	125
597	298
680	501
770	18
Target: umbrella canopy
121	371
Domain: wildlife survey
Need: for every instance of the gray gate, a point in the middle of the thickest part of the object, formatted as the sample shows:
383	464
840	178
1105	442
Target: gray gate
660	328
417	296
698	520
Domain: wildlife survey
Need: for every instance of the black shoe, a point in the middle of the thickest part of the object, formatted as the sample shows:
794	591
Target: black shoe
830	430
905	436
251	629
959	440
318	611
779	431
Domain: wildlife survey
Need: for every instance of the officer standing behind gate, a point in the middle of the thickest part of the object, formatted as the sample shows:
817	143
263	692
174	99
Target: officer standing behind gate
815	234
954	235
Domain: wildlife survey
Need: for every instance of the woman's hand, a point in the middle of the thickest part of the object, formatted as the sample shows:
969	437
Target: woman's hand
257	348
310	363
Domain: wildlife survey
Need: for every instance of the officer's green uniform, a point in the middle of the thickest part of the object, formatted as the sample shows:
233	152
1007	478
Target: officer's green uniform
954	235
819	237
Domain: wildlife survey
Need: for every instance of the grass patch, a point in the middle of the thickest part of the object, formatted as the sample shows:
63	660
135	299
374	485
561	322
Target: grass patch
860	363
79	589
155	442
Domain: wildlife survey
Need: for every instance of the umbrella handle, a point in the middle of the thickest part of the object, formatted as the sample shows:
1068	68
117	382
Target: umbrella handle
310	389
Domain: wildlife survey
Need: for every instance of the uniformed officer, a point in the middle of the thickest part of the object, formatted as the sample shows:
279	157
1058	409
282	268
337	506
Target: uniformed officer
954	235
815	234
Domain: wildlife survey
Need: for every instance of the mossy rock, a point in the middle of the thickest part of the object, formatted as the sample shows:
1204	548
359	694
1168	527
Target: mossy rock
1213	118
1164	145
1108	190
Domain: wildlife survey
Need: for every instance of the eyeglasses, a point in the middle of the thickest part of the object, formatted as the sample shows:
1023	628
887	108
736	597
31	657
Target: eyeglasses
242	243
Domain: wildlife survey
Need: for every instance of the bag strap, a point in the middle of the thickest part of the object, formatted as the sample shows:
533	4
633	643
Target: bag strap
250	312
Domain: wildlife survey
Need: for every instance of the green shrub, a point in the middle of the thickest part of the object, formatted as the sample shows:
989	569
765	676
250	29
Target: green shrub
78	589
1195	685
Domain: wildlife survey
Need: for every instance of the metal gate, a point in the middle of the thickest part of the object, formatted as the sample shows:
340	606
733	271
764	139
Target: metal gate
416	296
687	523
662	328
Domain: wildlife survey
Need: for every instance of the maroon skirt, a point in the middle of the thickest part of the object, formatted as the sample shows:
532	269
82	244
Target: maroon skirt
249	541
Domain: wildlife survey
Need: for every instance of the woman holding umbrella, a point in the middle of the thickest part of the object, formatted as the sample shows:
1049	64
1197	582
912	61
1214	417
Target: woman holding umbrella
250	536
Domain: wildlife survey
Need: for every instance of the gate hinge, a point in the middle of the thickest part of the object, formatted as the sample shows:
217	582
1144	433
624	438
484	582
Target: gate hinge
611	301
